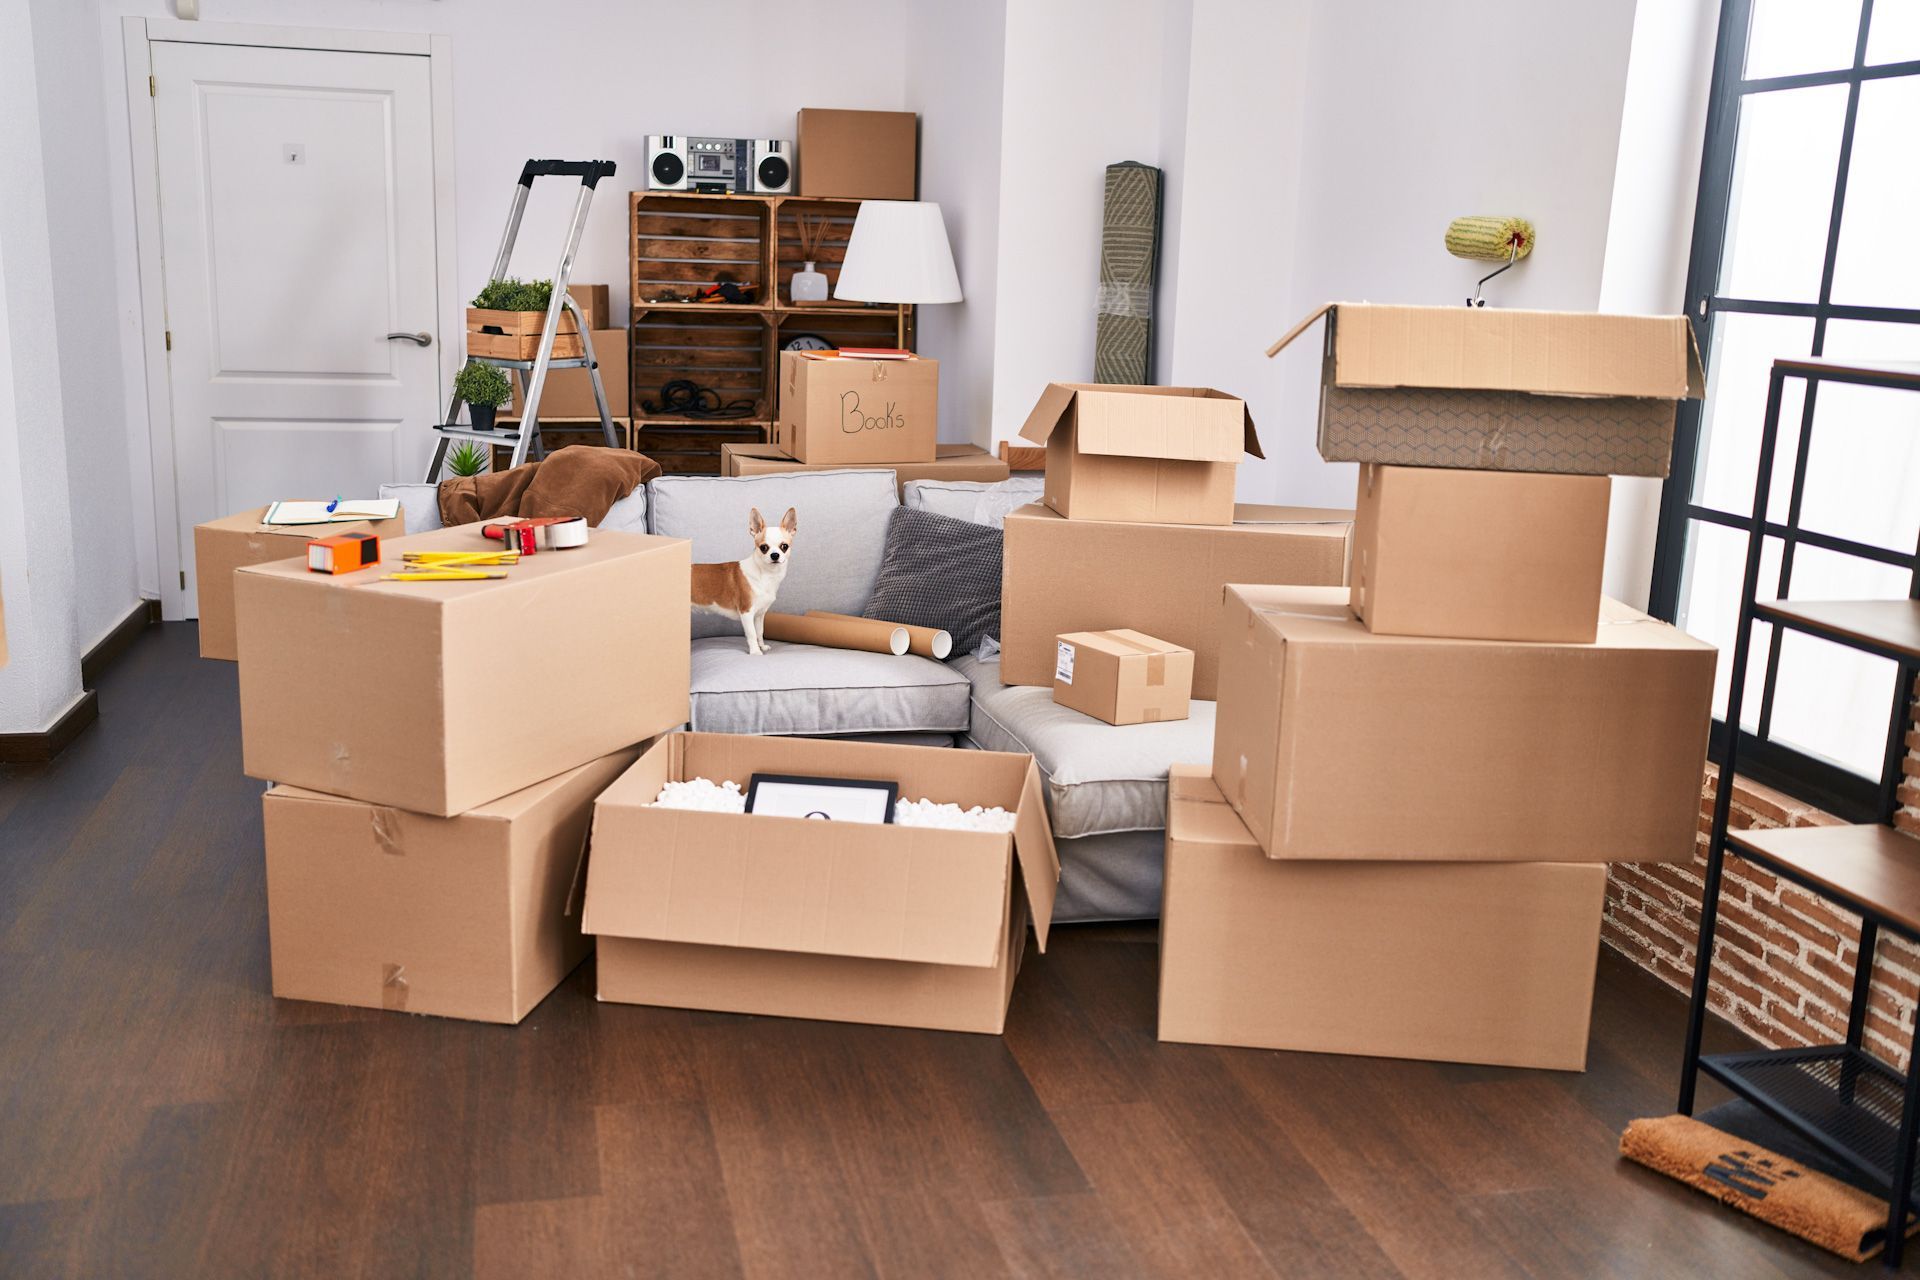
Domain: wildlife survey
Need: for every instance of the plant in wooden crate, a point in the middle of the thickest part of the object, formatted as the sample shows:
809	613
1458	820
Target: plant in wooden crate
466	459
507	317
485	389
808	285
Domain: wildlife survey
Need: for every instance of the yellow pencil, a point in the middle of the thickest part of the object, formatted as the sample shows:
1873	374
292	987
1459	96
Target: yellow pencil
442	575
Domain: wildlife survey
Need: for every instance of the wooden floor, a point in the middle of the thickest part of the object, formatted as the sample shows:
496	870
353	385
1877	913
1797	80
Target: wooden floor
162	1115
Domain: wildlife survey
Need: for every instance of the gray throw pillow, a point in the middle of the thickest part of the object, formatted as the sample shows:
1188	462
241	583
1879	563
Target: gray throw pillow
940	572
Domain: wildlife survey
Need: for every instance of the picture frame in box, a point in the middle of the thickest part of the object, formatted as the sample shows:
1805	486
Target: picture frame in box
785	795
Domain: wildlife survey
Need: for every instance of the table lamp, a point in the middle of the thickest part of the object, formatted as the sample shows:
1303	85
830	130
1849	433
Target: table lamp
898	253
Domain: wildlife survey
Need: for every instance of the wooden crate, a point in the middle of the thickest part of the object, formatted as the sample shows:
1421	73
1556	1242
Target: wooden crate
558	433
689	449
517	324
715	347
503	346
888	328
679	243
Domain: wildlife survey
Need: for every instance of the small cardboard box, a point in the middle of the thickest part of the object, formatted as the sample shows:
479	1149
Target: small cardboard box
593	301
1060	575
1490	555
865	155
959	462
435	696
1334	742
1161	455
465	917
1445	961
902	926
1497	390
223	545
835	410
1122	676
569	392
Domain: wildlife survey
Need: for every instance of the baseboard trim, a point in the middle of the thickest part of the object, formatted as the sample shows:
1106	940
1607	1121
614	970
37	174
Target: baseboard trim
39	748
117	641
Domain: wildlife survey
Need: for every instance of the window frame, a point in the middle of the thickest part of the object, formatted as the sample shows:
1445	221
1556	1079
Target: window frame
1807	777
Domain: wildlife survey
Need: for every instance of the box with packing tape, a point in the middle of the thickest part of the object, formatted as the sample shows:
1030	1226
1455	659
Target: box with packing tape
223	545
840	409
1346	957
955	462
1334	742
890	924
1122	676
416	694
1060	575
1161	455
1502	390
1489	555
466	917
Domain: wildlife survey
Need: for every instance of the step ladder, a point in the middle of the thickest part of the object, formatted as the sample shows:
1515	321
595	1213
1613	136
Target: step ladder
533	373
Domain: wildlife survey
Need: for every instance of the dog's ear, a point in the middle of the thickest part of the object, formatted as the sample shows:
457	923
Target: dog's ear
755	525
790	522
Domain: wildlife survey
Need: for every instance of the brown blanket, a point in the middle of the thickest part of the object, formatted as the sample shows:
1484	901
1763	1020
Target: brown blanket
579	480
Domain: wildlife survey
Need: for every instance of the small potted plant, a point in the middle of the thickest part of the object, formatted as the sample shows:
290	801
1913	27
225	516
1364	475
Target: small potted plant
485	389
466	459
507	317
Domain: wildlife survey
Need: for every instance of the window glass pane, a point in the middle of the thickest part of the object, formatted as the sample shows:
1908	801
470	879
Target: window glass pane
1863	471
1781	199
1710	607
1895	34
1739	363
1788	37
1878	264
1829	700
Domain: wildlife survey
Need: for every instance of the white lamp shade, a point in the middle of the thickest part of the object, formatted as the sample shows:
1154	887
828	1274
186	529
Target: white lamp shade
898	253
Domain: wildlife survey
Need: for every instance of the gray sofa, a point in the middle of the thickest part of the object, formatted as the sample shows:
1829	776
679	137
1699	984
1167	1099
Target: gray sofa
1106	786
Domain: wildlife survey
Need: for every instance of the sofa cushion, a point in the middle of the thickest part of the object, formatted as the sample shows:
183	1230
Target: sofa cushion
420	503
940	572
982	502
805	689
842	531
1118	876
1100	778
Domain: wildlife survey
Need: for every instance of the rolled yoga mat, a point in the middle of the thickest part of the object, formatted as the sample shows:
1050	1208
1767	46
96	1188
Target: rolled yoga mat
1490	239
928	642
863	634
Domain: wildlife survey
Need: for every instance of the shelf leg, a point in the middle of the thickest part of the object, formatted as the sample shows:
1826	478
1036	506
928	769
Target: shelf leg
1702	976
1857	1011
1903	1157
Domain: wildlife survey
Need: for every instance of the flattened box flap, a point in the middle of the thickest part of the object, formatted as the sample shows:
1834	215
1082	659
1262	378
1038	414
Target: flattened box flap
1193	424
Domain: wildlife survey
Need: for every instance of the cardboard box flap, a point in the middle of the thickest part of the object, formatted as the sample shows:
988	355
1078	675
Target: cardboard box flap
1039	860
1048	411
1144	422
1538	352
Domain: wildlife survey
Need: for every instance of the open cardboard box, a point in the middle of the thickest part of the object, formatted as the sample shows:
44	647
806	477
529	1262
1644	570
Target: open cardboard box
902	926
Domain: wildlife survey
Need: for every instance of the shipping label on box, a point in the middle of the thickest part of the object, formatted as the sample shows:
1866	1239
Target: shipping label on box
464	917
1122	676
223	545
1163	455
1443	961
839	410
1498	390
419	694
962	463
1060	575
846	921
1333	742
1490	555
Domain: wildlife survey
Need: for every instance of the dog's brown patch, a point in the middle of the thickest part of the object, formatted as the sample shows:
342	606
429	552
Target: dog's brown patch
721	586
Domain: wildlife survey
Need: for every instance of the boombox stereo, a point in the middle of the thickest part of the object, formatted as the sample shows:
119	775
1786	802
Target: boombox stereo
763	165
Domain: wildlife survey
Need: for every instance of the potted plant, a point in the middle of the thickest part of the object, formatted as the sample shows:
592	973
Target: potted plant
507	317
485	389
466	459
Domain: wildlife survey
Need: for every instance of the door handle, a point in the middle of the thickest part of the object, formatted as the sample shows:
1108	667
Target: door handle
424	338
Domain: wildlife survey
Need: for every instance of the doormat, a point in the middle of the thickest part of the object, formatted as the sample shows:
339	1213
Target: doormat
1744	1175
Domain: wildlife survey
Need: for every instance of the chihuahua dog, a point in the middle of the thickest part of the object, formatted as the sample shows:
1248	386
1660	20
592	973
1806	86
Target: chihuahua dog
744	589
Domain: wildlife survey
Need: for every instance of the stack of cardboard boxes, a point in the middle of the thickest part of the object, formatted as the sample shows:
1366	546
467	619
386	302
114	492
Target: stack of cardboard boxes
1400	846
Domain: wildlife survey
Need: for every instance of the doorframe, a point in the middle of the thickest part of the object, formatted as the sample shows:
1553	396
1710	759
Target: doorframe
138	35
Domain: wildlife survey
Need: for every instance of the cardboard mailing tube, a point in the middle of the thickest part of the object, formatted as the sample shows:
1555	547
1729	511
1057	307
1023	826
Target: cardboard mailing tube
928	642
837	633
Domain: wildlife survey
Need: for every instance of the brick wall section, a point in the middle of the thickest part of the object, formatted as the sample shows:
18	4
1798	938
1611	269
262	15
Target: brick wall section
1784	960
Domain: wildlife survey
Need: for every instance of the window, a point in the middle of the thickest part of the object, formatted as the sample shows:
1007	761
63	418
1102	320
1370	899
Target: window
1806	241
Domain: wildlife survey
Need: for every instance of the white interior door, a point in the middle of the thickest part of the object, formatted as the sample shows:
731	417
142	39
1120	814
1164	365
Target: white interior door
297	233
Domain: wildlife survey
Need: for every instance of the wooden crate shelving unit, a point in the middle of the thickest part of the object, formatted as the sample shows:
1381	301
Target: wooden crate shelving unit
679	241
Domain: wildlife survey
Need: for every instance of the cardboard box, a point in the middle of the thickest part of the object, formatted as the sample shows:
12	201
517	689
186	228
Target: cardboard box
865	155
1491	555
442	696
465	917
1122	676
1162	455
1499	390
223	545
837	411
1447	961
1061	575
594	301
1334	742
960	462
569	392
903	926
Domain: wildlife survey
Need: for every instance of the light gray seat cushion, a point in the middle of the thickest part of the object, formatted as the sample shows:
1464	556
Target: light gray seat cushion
1111	877
1100	778
420	503
806	690
836	555
978	501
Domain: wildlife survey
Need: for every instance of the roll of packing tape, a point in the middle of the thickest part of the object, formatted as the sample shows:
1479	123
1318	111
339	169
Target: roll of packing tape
568	534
